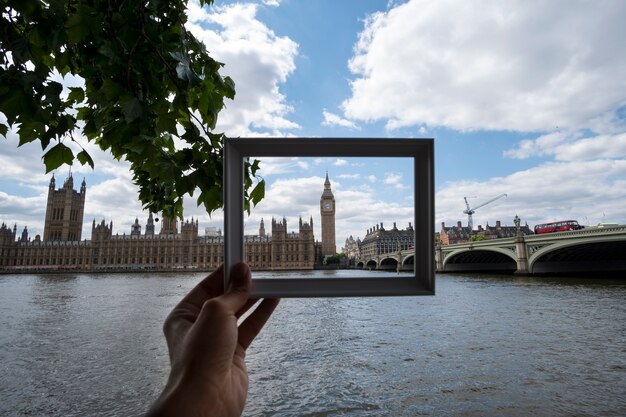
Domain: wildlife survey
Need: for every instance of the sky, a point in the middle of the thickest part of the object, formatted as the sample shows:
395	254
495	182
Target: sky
526	98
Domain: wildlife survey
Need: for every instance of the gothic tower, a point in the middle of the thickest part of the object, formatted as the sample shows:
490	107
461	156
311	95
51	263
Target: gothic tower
150	226
135	229
189	230
169	226
64	211
327	211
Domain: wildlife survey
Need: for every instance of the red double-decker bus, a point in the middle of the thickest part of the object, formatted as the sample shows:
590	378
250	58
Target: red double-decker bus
560	226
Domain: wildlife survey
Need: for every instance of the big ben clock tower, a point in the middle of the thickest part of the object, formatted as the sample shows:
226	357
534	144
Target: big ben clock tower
327	211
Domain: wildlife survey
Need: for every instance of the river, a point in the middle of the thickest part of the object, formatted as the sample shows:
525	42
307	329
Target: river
485	345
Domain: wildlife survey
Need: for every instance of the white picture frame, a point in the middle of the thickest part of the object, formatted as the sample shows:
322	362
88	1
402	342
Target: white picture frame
237	150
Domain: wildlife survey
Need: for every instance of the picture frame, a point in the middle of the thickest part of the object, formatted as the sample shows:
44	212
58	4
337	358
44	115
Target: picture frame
422	282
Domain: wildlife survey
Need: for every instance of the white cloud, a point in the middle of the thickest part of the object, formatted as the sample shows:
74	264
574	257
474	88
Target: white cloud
281	165
372	178
340	162
302	164
392	178
258	61
24	211
523	66
350	176
395	179
547	192
272	3
331	119
571	147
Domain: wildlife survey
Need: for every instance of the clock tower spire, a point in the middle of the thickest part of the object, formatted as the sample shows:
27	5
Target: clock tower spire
327	212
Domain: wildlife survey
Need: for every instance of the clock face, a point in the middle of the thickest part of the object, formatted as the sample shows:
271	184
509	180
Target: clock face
327	206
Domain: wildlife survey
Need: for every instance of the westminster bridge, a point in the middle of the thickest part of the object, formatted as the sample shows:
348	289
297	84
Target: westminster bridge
588	249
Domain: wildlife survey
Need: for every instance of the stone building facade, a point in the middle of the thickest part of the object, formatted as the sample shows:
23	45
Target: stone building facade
170	249
454	234
352	248
378	240
64	211
462	234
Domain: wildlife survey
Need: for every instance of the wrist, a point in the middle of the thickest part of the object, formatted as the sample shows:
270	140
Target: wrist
183	400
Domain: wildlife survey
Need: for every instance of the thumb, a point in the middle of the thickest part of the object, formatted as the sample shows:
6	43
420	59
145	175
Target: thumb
238	290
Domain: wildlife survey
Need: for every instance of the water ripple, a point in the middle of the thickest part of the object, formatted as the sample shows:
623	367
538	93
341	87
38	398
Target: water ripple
79	345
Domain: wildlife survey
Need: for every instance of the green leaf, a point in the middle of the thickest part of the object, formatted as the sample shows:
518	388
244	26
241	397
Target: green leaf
16	104
166	123
258	192
230	91
76	94
84	158
254	167
30	131
132	110
179	56
53	89
57	156
111	90
186	74
4	129
80	24
137	146
211	198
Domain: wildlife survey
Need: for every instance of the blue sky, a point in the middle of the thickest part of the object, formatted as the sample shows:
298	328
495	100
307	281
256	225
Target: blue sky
524	98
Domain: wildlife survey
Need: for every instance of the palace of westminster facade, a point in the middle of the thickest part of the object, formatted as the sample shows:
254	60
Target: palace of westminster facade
62	249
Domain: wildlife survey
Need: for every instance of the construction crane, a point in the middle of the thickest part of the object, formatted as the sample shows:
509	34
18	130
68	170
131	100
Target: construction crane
470	211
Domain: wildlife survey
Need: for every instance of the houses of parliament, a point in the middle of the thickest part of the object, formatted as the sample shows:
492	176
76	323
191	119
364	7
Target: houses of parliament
177	246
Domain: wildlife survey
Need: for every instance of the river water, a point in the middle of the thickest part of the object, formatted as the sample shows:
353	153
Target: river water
485	345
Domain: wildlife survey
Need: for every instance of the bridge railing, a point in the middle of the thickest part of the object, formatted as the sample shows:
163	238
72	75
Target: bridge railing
587	231
479	243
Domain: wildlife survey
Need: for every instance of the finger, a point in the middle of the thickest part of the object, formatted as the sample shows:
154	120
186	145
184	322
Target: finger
252	325
246	306
185	313
210	287
238	291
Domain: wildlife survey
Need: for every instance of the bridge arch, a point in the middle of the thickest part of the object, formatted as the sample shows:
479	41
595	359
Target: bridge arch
408	263
388	263
581	255
371	264
480	259
360	264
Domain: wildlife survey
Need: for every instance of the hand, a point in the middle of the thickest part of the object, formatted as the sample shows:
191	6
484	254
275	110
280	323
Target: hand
207	349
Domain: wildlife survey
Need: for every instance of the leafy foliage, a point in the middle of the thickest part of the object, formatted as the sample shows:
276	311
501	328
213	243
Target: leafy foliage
335	259
151	93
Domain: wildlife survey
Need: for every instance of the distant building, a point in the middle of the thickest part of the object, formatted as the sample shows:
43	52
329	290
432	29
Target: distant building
498	231
64	211
455	234
327	213
462	234
352	248
291	250
61	249
215	232
378	241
